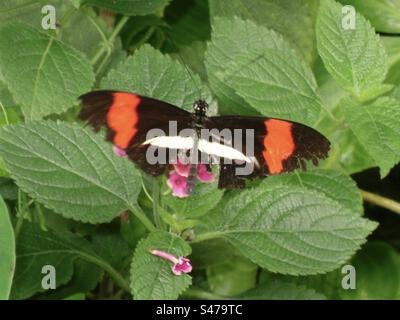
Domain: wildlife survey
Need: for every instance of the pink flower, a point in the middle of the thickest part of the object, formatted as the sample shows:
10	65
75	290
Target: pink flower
178	184
177	180
180	265
120	152
203	174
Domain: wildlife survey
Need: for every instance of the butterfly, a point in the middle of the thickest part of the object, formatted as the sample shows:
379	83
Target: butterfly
275	145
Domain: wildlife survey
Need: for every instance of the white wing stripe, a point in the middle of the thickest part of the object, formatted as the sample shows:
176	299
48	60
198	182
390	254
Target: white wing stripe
173	142
211	148
222	151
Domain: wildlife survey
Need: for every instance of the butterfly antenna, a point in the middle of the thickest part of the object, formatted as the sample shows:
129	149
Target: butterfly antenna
182	61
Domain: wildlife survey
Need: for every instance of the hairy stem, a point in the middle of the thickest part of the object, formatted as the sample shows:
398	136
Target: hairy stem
107	45
114	274
207	236
381	201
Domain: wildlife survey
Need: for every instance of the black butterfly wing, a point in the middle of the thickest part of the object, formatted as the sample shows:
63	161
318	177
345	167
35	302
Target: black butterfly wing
279	146
128	118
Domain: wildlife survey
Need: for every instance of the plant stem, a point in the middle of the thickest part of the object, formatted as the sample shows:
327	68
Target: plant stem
21	215
114	274
110	40
193	293
137	211
156	198
381	201
207	236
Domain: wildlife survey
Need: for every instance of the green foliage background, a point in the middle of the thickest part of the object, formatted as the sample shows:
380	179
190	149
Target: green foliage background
68	201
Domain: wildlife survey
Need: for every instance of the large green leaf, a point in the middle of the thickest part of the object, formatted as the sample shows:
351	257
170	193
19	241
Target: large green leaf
376	276
205	197
295	20
384	14
356	58
377	127
37	248
21	10
392	46
151	276
44	75
104	244
89	41
291	230
232	277
262	69
377	271
152	74
281	290
188	22
333	184
129	7
69	170
7	251
85	278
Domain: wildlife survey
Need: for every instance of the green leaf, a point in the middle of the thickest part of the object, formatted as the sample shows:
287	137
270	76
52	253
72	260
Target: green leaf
105	245
155	75
188	22
333	184
151	276
377	268
69	170
76	296
44	75
392	46
131	229
376	276
35	249
211	253
7	252
281	290
295	20
292	230
8	189
328	284
262	69
232	277
193	55
384	15
356	58
89	41
128	7
21	10
377	127
85	278
205	198
353	157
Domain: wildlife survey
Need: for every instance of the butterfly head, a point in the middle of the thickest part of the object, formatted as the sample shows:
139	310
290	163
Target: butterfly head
200	107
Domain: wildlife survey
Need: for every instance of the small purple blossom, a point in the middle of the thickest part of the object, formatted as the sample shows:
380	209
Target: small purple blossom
180	265
178	184
177	180
203	174
183	266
